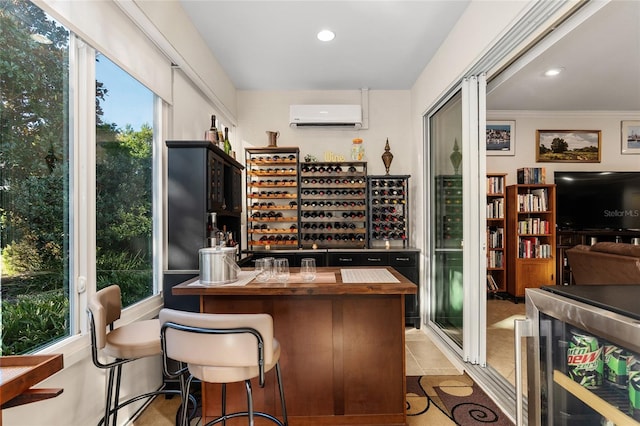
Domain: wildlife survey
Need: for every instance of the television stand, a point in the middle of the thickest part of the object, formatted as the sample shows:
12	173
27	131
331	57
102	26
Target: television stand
570	238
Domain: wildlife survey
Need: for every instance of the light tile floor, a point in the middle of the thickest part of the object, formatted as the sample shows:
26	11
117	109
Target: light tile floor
500	336
424	358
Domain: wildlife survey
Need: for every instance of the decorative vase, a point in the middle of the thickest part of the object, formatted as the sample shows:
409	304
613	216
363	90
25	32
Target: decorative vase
273	138
387	157
456	157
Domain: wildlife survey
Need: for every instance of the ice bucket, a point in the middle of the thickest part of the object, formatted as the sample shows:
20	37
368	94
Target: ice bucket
217	265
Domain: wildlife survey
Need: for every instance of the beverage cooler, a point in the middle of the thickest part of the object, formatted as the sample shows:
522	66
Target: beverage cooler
583	356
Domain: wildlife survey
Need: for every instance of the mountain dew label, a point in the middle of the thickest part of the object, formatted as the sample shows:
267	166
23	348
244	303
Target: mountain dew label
615	365
585	360
633	368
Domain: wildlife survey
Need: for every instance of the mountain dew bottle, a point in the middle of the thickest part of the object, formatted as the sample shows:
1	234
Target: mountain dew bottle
585	360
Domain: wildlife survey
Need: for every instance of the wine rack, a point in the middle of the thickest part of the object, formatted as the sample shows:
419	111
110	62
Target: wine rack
449	211
388	211
272	198
333	204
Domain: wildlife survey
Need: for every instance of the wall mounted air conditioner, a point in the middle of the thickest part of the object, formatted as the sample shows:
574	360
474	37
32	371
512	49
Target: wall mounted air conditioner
341	116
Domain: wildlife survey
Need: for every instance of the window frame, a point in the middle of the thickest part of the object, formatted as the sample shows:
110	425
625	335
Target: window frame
82	206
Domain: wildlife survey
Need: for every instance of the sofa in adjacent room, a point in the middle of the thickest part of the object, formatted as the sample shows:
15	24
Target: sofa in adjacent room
605	263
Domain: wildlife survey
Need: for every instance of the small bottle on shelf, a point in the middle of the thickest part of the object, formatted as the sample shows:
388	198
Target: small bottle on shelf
227	144
212	134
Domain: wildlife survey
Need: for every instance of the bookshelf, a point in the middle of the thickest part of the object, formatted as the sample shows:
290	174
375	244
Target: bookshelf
530	236
496	236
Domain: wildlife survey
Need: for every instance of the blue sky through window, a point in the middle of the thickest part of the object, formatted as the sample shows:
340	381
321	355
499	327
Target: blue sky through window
127	100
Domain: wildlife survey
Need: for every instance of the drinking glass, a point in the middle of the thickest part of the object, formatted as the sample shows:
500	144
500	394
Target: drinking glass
308	269
263	270
281	267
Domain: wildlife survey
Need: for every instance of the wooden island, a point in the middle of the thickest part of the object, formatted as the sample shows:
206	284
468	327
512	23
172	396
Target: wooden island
343	347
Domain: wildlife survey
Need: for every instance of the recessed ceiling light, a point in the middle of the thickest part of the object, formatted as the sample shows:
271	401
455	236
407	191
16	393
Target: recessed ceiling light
326	35
553	72
40	38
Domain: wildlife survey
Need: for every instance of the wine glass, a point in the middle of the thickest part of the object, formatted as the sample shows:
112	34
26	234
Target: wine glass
263	269
308	269
281	267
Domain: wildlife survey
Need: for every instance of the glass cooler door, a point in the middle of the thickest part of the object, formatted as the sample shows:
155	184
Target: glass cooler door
584	359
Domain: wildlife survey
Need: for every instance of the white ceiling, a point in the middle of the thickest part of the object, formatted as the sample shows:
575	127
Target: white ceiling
271	45
601	61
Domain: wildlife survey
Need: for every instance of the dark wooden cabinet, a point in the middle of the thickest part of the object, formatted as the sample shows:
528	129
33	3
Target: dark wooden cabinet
294	257
201	179
405	261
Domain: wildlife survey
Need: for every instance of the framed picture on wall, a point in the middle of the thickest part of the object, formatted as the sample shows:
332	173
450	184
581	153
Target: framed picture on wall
630	137
568	146
501	137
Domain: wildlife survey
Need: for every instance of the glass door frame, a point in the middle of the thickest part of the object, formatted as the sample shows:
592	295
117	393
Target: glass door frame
472	142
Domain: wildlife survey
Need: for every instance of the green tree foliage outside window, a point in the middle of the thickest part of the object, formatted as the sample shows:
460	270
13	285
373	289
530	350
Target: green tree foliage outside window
34	186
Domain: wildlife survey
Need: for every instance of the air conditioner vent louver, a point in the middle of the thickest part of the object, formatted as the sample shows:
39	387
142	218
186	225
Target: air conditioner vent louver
336	116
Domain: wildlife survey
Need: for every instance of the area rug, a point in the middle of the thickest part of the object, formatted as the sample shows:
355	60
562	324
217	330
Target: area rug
431	401
450	400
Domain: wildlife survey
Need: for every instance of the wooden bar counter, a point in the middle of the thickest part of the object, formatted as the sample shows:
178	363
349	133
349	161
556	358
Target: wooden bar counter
343	347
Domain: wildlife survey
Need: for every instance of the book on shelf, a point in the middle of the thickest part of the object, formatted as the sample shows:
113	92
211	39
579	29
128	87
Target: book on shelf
495	209
495	185
532	248
531	175
492	285
534	201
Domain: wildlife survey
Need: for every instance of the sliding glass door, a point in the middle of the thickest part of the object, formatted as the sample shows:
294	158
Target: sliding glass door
456	160
445	139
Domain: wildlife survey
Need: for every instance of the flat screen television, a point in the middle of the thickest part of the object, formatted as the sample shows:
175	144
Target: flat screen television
597	200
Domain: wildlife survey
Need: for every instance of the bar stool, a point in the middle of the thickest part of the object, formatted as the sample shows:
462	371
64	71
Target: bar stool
125	344
222	348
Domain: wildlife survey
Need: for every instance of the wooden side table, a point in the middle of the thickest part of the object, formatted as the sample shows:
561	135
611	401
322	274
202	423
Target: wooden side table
19	373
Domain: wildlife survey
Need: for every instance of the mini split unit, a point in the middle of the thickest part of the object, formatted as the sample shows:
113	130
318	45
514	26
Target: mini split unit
337	116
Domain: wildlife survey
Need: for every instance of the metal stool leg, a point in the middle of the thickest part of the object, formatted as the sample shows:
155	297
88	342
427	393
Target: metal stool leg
247	384
284	406
224	404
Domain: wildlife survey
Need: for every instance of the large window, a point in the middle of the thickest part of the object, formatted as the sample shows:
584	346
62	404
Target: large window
44	168
124	142
34	175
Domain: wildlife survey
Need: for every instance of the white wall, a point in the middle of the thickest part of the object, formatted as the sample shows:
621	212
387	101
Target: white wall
171	20
527	122
389	117
481	25
261	111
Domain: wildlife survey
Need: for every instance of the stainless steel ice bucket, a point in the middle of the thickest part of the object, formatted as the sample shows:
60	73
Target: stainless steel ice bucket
217	265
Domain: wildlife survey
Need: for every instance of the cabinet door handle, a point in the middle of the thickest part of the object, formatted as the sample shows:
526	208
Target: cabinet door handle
404	259
374	259
345	259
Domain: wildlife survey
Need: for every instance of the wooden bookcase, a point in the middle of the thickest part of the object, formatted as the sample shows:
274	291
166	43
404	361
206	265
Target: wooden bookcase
531	237
496	233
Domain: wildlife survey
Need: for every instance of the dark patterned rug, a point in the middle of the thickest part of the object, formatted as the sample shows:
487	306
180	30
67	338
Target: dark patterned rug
450	400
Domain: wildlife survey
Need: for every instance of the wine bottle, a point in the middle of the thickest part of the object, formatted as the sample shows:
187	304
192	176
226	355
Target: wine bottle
227	144
213	131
